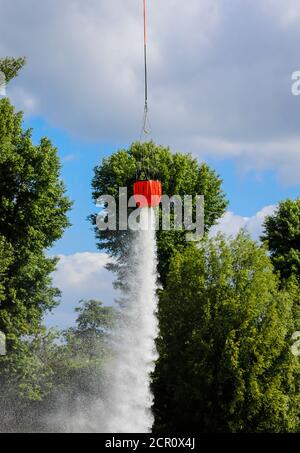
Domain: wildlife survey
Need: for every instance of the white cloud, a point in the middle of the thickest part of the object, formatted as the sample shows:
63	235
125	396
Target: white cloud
287	12
69	158
85	59
25	99
219	73
80	276
230	224
284	155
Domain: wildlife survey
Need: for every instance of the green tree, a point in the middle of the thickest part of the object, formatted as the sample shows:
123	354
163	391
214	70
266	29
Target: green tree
282	234
27	381
179	173
11	67
51	372
79	365
5	260
33	215
33	212
93	325
225	361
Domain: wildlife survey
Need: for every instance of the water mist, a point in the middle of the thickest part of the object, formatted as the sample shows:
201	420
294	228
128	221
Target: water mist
126	400
130	398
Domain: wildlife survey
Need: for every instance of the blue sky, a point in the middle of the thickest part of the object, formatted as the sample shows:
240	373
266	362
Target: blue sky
247	192
220	88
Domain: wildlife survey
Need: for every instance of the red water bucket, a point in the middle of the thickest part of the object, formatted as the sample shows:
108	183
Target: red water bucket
151	190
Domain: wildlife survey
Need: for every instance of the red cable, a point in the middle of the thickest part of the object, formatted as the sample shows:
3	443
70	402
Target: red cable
144	129
145	56
145	23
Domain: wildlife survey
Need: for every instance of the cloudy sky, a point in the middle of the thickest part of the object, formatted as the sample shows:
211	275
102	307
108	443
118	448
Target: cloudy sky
220	87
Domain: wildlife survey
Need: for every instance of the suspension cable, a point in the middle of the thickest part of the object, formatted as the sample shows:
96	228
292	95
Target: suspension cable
145	128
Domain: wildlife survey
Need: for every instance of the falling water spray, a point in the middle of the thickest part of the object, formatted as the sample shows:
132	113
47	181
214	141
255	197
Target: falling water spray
126	402
129	396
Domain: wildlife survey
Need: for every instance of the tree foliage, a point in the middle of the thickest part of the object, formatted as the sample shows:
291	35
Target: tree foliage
225	361
11	66
5	260
282	234
33	212
179	173
89	337
51	371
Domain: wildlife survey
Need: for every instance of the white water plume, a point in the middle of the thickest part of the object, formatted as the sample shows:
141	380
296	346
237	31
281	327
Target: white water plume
126	402
130	398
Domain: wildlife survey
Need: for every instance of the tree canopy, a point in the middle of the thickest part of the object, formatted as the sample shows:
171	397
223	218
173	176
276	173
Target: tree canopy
282	234
11	67
179	173
225	362
52	371
33	215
